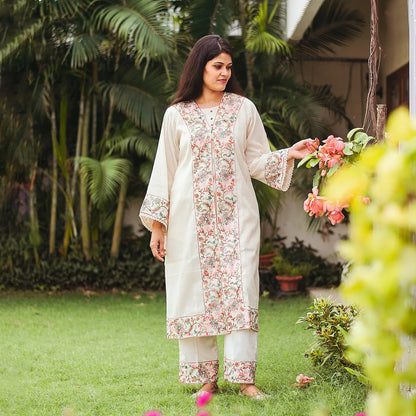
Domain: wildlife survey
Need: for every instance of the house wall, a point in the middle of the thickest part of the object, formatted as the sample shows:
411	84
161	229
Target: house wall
345	71
348	79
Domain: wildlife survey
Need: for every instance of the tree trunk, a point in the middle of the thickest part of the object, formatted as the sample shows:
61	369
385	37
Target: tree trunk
118	224
54	196
85	227
81	118
247	54
34	235
94	107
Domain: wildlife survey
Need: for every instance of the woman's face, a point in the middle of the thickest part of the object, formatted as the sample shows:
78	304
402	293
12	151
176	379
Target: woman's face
217	72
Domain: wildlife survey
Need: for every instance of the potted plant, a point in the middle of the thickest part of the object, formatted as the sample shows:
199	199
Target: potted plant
289	275
267	252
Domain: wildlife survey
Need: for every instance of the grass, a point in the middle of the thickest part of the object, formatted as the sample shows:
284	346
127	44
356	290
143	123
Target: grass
107	354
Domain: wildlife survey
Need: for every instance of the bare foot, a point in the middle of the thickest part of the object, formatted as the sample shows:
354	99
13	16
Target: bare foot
251	391
210	387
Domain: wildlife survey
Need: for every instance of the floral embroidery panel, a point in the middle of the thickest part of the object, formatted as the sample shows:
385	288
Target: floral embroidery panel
239	371
216	216
198	372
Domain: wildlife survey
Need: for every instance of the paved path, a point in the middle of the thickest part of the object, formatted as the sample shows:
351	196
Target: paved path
321	292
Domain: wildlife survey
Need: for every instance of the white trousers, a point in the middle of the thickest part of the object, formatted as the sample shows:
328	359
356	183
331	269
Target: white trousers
199	359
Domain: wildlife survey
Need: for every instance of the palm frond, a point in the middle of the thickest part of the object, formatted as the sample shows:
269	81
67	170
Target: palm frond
145	171
139	144
104	177
84	49
14	46
333	103
264	32
333	25
140	25
140	99
207	17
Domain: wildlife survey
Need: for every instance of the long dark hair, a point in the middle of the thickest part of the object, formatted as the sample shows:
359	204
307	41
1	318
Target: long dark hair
191	82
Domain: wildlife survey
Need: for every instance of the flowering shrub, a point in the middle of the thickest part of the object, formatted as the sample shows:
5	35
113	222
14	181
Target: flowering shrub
329	156
329	323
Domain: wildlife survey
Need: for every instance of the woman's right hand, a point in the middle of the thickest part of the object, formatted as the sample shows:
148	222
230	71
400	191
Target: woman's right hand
157	241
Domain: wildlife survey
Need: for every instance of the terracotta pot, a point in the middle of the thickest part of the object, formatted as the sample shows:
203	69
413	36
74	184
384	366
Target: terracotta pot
265	260
289	283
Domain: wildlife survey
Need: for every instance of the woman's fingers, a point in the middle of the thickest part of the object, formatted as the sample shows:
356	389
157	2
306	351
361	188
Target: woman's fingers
158	250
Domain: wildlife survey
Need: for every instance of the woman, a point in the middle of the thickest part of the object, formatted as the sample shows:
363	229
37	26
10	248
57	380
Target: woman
201	209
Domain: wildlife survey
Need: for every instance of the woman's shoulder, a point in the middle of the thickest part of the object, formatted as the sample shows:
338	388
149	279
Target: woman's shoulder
246	104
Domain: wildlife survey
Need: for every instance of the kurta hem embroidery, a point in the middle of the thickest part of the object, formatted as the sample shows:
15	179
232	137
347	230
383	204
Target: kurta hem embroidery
214	324
198	372
239	371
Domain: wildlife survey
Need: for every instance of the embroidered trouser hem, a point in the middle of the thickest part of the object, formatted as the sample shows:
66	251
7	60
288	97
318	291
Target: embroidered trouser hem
199	362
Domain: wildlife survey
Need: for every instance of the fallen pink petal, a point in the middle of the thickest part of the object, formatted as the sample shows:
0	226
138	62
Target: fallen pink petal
153	413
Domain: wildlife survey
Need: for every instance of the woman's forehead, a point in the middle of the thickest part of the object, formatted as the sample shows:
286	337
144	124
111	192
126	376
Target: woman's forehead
223	58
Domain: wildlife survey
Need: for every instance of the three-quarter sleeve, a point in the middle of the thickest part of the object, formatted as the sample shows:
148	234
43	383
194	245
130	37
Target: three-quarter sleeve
155	205
269	167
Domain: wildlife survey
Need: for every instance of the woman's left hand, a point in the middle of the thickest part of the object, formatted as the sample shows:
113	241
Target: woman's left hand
301	149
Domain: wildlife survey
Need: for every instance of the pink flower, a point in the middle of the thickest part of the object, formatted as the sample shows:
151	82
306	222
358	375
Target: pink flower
203	399
203	414
361	414
153	413
302	381
314	204
335	216
334	144
365	200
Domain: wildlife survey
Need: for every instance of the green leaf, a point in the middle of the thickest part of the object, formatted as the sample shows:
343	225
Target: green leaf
332	170
351	133
356	147
315	162
316	178
348	149
304	160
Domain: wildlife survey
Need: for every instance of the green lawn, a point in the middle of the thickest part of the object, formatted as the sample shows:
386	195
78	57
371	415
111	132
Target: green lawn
107	354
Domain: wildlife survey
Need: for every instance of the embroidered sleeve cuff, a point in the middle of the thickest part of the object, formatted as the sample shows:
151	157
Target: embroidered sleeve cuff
154	208
278	170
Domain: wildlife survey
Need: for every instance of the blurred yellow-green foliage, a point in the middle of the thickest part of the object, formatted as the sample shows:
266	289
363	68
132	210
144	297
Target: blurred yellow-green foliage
382	280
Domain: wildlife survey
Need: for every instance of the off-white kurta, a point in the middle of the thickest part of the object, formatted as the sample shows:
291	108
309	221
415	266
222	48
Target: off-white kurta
201	191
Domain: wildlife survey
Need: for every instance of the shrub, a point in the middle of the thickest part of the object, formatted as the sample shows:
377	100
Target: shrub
135	268
330	324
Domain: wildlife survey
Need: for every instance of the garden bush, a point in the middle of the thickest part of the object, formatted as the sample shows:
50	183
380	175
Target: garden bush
330	323
135	268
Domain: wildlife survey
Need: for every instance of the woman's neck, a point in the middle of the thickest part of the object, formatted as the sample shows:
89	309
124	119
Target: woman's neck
209	99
